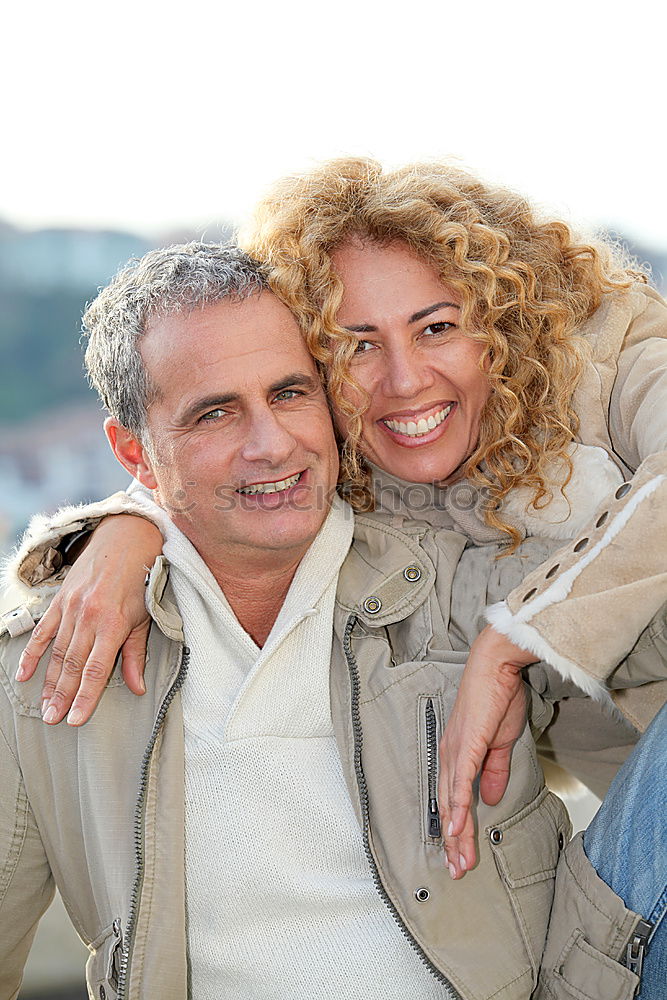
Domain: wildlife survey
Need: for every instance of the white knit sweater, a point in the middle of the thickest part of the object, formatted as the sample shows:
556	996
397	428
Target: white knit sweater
280	899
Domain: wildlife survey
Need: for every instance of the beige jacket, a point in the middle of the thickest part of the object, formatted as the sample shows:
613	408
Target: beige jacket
99	809
583	609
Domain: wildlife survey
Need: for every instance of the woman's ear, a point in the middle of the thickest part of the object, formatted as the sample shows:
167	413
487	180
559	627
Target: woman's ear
130	452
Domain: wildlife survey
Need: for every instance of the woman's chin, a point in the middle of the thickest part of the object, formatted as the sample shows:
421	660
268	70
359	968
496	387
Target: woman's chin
414	470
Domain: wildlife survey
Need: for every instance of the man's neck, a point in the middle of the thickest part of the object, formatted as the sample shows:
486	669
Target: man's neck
257	600
254	589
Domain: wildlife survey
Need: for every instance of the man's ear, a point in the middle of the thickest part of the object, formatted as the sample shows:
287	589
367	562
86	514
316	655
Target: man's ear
130	452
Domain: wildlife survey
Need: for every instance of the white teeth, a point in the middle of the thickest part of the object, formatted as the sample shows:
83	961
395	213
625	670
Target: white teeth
284	484
412	429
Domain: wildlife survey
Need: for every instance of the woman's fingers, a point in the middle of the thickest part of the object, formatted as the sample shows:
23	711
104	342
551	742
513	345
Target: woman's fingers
488	717
94	676
134	658
42	634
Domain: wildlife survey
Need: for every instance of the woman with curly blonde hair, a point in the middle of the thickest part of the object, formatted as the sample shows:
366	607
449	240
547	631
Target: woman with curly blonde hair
524	288
469	345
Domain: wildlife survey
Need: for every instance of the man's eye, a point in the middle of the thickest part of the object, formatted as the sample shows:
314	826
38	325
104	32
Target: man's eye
287	394
212	416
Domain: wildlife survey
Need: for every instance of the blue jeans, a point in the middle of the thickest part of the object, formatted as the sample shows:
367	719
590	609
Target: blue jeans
626	843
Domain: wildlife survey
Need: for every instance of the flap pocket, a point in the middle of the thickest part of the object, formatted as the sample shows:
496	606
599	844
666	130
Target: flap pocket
584	973
527	845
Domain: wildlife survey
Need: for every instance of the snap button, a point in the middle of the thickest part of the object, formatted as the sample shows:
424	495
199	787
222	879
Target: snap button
531	593
103	993
561	841
623	490
496	836
372	605
421	895
581	544
553	571
602	518
412	573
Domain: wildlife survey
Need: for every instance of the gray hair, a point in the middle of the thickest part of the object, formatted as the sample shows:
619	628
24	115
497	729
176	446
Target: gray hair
175	279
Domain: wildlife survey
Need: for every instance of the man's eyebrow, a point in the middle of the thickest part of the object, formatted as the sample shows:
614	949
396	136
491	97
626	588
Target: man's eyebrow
295	378
367	328
214	401
211	402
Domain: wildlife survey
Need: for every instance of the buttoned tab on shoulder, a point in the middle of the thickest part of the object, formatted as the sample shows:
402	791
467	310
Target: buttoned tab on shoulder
17	622
161	603
387	574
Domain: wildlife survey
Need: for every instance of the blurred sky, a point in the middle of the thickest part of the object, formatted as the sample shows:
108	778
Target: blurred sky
153	116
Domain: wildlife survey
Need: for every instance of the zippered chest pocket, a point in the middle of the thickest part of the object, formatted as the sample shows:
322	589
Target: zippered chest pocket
429	729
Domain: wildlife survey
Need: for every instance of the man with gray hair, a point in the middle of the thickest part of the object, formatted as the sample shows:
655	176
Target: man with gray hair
263	823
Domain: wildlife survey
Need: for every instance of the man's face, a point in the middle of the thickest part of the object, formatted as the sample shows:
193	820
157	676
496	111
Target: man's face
243	451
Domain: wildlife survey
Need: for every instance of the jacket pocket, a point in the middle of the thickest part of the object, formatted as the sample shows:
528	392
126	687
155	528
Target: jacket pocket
584	973
429	714
526	848
103	966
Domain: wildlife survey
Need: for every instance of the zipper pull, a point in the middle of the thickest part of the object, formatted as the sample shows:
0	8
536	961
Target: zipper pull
116	955
634	954
433	818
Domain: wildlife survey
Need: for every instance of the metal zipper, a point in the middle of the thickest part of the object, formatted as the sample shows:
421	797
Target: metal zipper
116	956
433	818
635	951
139	823
353	670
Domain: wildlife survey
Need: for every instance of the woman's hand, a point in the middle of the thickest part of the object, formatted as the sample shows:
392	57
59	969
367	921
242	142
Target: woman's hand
98	611
488	717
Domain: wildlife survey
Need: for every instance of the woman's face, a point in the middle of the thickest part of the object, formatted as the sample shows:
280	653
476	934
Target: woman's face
420	369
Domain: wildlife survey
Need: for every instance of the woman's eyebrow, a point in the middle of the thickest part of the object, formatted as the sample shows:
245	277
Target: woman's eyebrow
431	309
368	328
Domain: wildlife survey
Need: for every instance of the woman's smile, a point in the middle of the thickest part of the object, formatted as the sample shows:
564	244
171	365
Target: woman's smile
419	368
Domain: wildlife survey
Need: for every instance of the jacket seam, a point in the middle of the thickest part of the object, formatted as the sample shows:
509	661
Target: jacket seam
22	807
402	679
616	943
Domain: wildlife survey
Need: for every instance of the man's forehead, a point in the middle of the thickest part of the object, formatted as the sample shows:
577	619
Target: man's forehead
253	341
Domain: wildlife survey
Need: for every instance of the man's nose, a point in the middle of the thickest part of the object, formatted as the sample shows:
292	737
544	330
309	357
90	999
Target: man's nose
268	440
406	374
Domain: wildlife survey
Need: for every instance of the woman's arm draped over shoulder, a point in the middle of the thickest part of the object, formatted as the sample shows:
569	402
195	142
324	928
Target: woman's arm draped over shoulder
584	611
99	609
585	608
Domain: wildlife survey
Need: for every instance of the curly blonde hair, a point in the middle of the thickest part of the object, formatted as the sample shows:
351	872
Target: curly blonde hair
526	286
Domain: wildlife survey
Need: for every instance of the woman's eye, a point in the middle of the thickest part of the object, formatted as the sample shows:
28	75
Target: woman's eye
363	346
436	329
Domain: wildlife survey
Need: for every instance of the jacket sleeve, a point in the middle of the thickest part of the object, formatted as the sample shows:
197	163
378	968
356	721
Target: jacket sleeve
26	882
43	549
584	610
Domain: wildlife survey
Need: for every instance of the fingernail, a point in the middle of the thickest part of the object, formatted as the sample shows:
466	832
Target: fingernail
450	829
20	673
142	685
45	705
452	871
75	717
50	715
462	863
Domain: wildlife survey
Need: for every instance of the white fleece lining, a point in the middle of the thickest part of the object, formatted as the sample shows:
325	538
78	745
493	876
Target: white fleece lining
528	638
563	584
47	530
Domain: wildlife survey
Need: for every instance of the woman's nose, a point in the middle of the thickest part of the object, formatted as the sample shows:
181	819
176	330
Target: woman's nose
406	374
